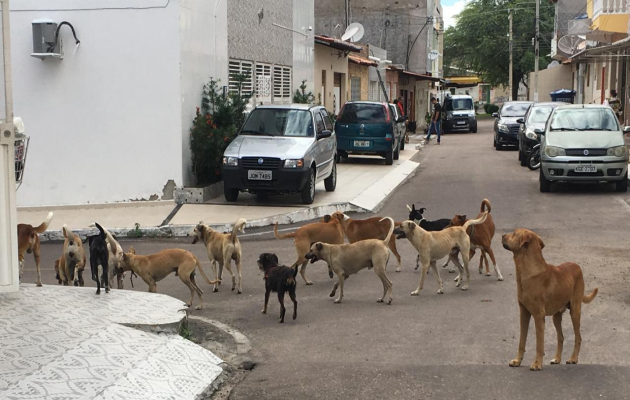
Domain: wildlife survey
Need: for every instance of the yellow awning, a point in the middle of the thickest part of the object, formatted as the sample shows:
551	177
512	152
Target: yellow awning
464	80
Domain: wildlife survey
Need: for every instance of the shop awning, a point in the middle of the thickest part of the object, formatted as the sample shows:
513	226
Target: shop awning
362	61
419	77
337	43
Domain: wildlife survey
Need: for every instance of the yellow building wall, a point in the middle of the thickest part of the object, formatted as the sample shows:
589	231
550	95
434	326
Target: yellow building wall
611	23
327	59
360	71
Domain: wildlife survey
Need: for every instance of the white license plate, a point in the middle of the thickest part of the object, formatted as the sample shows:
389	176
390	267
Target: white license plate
361	143
461	122
586	168
255	175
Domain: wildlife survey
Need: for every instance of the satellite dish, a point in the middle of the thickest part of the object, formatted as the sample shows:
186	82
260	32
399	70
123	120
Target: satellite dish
570	44
433	55
354	32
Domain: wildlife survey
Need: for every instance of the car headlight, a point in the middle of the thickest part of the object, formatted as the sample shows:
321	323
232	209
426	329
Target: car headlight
294	163
531	135
449	117
619	151
551	151
230	161
504	128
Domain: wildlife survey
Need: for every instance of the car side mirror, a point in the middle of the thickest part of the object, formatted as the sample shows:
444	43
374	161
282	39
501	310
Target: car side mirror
539	131
626	129
495	115
324	134
520	121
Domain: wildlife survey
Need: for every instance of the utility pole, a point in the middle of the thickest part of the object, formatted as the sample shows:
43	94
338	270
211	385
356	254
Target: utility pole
347	4
9	270
511	17
537	50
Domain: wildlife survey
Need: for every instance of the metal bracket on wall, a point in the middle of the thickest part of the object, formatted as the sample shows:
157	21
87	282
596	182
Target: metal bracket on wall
7	134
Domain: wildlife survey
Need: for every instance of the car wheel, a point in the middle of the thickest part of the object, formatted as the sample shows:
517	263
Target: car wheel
474	130
397	153
545	184
389	158
499	146
494	143
337	158
622	185
330	183
308	193
230	193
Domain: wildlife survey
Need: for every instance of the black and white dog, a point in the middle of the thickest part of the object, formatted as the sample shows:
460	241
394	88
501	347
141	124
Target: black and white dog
280	279
99	255
415	215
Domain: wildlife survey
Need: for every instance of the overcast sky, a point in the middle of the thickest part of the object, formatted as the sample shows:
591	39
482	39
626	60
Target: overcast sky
451	8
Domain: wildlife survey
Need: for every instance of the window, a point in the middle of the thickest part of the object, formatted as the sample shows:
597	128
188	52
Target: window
319	123
239	67
354	113
327	121
374	91
593	119
263	83
355	88
279	122
281	84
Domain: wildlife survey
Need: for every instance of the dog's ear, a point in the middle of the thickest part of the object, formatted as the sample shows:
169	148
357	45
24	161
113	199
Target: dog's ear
462	217
422	210
540	242
319	246
132	250
525	238
200	222
409	208
327	218
275	258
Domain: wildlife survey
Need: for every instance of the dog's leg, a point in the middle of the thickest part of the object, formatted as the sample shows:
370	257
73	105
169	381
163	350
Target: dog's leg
294	300
423	274
186	280
198	290
21	262
438	277
557	322
282	309
303	272
105	278
216	275
392	247
239	289
576	308
227	263
524	322
334	289
152	285
451	257
36	257
494	263
418	261
466	259
267	291
387	285
341	277
539	321
458	279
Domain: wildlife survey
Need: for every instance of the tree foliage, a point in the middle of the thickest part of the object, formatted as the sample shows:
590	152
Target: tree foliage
480	42
302	97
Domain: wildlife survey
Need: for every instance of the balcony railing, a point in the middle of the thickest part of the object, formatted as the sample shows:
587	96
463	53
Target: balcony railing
608	7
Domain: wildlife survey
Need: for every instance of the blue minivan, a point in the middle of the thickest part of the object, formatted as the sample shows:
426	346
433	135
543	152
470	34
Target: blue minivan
366	127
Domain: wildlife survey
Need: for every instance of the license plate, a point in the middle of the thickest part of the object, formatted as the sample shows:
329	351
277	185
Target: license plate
461	122
586	168
255	175
361	143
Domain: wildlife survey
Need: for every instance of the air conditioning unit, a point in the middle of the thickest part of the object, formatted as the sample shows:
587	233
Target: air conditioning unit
45	44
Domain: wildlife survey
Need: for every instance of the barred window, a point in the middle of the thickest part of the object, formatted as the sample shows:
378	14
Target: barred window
281	84
240	67
355	88
263	83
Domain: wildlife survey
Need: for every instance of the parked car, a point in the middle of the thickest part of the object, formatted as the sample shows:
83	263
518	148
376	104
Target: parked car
583	143
280	150
536	118
506	126
365	127
459	114
400	126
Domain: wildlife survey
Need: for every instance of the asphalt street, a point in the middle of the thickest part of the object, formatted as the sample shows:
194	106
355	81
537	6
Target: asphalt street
456	345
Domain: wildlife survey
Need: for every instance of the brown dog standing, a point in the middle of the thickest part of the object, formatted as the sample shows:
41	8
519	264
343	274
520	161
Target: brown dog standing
72	262
330	232
480	238
544	290
28	241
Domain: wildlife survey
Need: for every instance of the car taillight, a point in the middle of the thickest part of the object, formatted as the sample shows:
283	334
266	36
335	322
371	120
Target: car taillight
387	116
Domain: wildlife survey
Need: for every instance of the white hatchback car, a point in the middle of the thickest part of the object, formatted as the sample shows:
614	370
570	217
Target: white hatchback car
583	143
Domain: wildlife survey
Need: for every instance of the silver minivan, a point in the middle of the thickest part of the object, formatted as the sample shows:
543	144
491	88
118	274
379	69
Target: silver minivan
583	143
282	149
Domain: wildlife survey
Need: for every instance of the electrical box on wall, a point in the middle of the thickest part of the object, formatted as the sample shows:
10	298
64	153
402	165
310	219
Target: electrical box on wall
45	43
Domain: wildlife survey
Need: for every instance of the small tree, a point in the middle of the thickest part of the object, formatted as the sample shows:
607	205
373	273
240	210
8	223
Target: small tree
215	125
301	97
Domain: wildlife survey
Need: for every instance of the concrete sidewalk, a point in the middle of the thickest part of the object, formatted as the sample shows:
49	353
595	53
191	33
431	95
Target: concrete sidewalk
363	184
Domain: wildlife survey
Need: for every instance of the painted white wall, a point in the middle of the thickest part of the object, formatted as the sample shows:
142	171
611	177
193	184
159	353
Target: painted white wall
204	55
303	46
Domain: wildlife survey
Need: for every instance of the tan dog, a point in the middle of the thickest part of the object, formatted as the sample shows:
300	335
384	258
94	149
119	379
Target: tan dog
115	258
222	248
544	289
348	259
433	246
330	232
155	267
480	238
28	242
71	264
370	228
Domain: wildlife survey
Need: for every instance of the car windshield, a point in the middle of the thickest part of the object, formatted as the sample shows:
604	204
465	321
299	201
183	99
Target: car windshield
459	104
539	115
354	113
278	122
514	110
584	119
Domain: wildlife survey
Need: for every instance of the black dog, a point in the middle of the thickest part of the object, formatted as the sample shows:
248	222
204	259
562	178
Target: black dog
280	279
99	256
415	215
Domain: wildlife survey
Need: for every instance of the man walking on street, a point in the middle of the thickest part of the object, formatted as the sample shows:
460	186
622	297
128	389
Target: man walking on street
615	104
436	120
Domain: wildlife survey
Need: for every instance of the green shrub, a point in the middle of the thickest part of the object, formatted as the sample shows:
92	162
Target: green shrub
215	125
491	108
301	97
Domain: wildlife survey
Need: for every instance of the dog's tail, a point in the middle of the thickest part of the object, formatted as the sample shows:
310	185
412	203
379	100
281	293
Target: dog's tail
285	236
101	230
107	237
478	221
485	206
44	225
67	233
391	229
590	297
203	273
238	226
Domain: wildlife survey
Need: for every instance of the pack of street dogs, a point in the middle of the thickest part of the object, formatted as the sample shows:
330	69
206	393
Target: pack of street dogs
542	289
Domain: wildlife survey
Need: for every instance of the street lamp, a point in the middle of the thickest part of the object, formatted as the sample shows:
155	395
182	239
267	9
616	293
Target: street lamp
9	270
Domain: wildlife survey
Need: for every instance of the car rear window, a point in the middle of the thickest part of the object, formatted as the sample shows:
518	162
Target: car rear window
515	109
584	119
363	114
459	104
